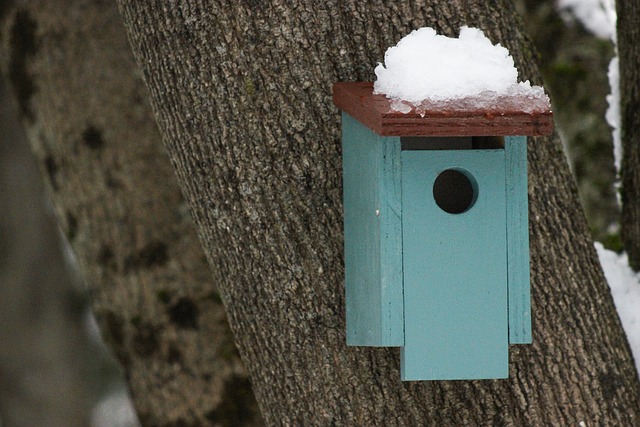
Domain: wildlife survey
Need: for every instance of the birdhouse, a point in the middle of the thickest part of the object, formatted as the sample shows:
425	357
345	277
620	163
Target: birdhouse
436	233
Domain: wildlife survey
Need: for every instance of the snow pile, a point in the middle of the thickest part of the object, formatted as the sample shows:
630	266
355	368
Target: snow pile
597	16
625	289
426	71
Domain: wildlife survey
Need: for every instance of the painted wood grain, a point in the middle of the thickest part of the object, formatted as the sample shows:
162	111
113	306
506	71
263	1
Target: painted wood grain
455	270
372	236
518	240
357	99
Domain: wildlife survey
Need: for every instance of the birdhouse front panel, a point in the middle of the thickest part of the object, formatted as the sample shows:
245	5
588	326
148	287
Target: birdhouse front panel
455	264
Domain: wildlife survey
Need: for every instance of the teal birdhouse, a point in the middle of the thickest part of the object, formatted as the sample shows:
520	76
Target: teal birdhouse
436	233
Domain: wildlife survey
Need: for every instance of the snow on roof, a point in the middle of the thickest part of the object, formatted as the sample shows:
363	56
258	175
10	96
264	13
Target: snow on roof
429	71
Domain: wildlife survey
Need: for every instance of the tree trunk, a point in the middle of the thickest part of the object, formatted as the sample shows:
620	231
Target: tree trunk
629	61
242	93
91	128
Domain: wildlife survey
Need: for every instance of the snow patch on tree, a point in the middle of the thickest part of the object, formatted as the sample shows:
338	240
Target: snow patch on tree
597	16
625	289
613	112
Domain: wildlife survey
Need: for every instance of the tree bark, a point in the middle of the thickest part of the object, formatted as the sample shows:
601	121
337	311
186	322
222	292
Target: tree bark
242	94
85	110
629	62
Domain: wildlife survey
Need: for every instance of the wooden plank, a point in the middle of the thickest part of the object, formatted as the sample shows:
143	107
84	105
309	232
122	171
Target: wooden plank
455	270
518	241
374	111
372	236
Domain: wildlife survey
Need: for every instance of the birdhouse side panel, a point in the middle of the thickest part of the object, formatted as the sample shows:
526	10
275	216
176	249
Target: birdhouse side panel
518	240
372	236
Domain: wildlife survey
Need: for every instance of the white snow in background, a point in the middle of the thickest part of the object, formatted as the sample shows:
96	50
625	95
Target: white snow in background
116	410
428	71
613	112
599	17
625	289
92	328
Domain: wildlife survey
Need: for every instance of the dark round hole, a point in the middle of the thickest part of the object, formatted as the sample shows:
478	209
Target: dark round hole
453	192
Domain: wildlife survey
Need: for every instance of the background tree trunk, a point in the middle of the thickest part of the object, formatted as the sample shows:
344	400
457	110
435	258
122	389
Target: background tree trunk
241	91
628	38
90	126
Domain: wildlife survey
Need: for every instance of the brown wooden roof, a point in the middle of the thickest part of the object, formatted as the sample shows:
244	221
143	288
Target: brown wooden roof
374	111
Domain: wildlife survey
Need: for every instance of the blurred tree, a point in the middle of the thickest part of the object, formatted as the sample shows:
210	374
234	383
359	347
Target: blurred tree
241	93
50	370
629	61
89	124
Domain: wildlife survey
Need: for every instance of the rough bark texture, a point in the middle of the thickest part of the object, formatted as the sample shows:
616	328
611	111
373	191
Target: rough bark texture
90	126
629	56
241	91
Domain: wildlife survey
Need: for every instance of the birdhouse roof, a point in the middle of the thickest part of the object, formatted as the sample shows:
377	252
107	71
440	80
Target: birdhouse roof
375	111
